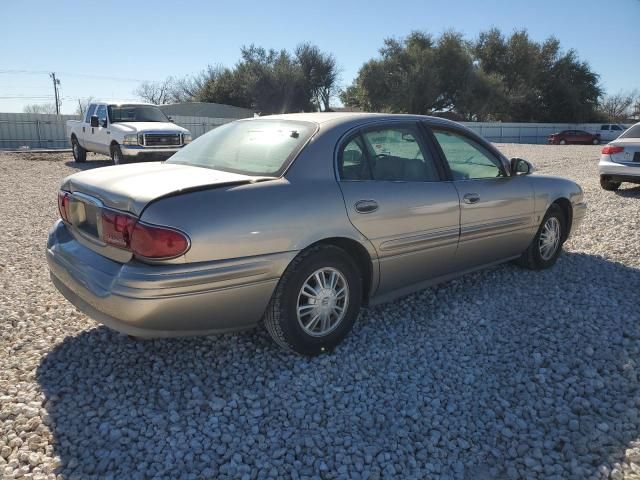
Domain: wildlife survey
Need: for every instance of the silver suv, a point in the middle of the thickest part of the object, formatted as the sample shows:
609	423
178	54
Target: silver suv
620	160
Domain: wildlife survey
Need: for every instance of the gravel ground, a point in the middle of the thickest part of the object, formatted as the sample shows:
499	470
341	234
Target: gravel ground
502	374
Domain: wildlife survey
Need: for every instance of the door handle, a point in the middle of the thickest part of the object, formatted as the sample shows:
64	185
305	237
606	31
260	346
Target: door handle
471	198
366	206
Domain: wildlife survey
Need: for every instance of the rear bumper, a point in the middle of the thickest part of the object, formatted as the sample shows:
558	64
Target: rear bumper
163	300
619	172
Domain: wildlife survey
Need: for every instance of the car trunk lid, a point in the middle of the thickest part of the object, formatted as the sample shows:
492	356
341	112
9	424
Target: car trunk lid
130	188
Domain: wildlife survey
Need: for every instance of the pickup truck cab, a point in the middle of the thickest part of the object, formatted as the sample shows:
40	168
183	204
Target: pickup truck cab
610	131
125	130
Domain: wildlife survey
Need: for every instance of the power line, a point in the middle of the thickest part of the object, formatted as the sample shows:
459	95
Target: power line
71	74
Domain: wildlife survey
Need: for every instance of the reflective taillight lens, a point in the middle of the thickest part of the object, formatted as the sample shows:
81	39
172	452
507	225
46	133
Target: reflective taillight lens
149	241
157	242
63	204
611	149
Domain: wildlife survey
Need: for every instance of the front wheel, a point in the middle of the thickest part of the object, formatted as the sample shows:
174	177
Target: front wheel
79	153
608	185
562	142
544	250
116	155
316	302
596	141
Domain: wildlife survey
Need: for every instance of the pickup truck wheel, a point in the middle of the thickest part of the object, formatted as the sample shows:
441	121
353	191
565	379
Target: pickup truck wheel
316	301
116	155
79	153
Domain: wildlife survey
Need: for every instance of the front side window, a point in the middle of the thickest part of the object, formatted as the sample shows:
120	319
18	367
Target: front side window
90	110
249	147
396	154
604	127
467	159
101	112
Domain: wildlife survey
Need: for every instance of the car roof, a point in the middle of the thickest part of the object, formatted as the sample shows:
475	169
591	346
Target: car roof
339	118
122	102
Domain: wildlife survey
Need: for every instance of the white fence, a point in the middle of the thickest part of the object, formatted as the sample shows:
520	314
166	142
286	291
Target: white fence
18	130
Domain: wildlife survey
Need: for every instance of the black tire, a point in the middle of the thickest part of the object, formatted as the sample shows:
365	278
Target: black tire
532	257
608	185
79	153
281	318
116	154
562	142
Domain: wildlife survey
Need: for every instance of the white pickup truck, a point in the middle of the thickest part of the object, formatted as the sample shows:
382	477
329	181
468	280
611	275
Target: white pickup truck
125	130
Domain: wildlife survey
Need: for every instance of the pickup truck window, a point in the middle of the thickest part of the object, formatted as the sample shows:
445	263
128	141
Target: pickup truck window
90	110
136	113
101	112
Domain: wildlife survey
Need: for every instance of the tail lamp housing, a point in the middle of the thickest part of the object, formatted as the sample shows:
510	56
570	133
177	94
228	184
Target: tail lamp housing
611	149
142	239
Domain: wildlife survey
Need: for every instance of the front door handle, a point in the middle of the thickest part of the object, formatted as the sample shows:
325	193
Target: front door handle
471	198
366	206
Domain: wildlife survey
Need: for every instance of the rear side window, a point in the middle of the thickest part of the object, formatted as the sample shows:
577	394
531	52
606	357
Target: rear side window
616	127
397	154
90	110
353	164
604	127
467	159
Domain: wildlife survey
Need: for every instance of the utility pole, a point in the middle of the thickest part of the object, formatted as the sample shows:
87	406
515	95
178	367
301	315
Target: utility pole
56	82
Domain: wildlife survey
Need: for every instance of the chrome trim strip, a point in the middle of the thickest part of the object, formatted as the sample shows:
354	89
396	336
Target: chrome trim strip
472	232
427	240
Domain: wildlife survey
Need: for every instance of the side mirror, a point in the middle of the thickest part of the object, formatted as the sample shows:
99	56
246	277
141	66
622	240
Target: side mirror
94	121
520	166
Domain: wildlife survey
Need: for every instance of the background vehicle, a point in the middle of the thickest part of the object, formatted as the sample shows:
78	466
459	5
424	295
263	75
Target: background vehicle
299	219
129	130
610	131
574	136
620	160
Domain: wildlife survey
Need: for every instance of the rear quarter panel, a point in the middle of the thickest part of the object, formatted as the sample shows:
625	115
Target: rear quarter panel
255	219
74	127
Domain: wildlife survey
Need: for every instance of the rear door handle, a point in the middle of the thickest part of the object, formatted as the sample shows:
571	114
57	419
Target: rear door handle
366	206
471	198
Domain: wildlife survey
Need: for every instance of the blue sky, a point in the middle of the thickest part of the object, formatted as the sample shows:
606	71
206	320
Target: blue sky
123	42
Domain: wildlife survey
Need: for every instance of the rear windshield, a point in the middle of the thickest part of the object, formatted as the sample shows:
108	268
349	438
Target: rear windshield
249	147
633	132
136	113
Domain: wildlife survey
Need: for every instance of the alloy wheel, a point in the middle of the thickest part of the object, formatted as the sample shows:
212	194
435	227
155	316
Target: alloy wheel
322	302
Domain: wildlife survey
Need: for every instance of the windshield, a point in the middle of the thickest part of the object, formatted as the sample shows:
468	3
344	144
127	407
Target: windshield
249	147
633	132
136	113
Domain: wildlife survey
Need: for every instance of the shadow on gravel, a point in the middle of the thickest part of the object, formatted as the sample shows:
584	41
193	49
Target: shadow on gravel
503	374
89	164
633	192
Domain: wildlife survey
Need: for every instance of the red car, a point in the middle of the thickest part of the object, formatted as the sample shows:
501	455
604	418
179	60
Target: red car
574	136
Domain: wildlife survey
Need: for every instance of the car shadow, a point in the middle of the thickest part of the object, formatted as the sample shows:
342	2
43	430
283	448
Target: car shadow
89	164
633	192
539	378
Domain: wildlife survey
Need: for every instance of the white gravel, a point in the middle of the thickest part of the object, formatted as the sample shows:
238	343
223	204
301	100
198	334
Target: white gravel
502	374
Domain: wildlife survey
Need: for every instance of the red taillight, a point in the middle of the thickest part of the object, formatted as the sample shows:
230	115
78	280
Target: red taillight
157	242
611	149
63	204
150	241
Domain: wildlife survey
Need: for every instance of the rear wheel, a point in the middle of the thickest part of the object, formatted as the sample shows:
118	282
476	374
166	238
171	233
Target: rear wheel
607	184
116	154
546	246
316	302
562	142
79	153
596	141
